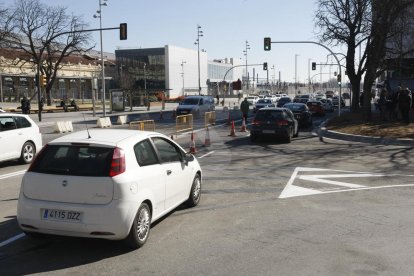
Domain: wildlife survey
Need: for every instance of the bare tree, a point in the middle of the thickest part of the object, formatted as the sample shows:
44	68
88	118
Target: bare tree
346	22
47	35
368	24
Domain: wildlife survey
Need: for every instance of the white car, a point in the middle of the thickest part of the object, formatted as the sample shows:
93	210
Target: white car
252	99
20	137
106	183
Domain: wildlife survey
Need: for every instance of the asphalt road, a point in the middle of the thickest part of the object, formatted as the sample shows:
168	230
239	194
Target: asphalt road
267	208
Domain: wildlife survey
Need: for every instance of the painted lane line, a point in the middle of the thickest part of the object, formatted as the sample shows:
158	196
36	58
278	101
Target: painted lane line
207	154
12	239
7	175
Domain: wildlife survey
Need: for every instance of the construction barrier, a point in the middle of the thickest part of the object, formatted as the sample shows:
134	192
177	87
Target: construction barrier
143	125
209	118
63	126
122	119
103	122
184	123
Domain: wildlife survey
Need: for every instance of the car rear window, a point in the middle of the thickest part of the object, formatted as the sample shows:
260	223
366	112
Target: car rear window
295	107
77	160
270	115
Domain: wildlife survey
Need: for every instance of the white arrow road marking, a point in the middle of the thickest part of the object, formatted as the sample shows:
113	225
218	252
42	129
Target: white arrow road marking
291	190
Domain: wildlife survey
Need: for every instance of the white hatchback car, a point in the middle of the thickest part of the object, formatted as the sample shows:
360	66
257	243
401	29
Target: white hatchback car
106	183
20	137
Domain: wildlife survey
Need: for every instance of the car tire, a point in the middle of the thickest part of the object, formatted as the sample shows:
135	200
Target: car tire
140	228
296	134
28	153
195	192
289	136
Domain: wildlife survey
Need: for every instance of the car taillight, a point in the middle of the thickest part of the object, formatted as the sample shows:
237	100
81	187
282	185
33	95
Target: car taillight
256	122
283	123
117	163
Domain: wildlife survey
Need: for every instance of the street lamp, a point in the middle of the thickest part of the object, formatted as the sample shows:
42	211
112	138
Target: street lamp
182	73
99	15
247	75
296	73
199	34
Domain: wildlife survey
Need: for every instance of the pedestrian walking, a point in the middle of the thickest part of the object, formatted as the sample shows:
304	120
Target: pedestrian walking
25	105
218	99
244	107
382	104
404	103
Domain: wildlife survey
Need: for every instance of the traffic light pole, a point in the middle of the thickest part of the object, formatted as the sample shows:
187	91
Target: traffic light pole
224	79
267	48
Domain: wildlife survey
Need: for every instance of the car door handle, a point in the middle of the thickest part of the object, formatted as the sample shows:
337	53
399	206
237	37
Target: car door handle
169	172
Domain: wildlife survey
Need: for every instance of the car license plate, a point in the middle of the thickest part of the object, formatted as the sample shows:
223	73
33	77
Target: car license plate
62	215
268	131
184	112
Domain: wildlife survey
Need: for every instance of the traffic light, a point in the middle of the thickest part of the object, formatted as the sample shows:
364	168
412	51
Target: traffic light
313	65
264	66
123	31
43	80
267	43
338	78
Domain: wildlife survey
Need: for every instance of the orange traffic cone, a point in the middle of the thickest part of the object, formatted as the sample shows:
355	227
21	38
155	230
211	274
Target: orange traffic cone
233	130
207	141
192	145
161	116
243	127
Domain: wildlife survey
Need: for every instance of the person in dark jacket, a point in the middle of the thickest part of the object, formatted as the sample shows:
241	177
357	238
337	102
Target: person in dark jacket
404	103
244	107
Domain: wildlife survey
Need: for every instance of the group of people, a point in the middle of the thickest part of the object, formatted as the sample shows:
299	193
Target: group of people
396	103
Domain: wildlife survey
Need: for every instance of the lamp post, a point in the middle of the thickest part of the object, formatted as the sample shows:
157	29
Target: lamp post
296	73
99	15
182	74
199	34
309	81
247	74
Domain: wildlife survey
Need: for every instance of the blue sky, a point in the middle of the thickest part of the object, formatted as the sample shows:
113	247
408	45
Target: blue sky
226	24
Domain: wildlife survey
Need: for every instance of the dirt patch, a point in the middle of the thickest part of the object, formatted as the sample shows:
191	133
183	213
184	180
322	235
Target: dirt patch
353	123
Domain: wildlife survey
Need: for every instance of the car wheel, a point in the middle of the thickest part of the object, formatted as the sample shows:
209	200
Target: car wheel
140	228
289	136
297	133
195	192
28	153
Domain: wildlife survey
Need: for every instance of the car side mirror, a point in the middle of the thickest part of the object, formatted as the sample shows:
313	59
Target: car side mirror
187	157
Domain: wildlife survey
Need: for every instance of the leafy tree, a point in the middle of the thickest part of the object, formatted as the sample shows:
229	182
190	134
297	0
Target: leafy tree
368	24
46	34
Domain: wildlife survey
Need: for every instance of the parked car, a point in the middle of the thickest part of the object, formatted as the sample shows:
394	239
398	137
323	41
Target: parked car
327	105
106	183
301	113
283	100
20	137
302	98
196	105
252	99
274	122
335	101
262	103
316	107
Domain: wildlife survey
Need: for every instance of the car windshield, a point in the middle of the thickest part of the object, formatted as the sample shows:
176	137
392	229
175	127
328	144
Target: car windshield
190	101
265	101
80	160
270	115
284	100
295	107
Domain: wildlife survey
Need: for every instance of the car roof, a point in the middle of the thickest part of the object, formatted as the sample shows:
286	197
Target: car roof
272	108
103	136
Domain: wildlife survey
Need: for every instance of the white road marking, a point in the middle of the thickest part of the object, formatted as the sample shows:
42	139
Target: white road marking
207	154
7	175
291	190
12	239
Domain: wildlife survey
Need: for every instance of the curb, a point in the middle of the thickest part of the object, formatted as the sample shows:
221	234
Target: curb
323	132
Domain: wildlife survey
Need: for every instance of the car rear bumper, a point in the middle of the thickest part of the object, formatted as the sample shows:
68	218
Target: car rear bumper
279	132
109	221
